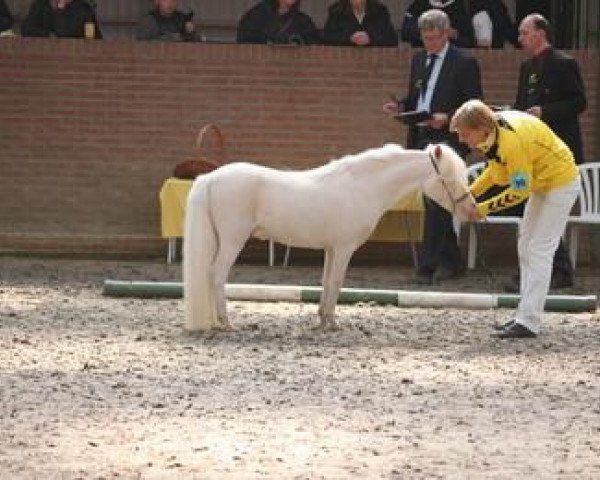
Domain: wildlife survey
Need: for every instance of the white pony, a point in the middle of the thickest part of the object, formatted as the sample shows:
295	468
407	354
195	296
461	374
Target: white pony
334	207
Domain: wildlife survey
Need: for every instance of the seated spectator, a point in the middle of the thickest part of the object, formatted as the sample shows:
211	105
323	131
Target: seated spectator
360	23
59	18
167	24
461	32
6	19
492	24
279	22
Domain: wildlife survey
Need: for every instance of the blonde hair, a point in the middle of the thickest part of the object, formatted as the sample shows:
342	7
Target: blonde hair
473	114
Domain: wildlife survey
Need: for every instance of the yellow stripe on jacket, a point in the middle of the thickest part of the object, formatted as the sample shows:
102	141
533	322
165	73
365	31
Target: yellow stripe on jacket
529	157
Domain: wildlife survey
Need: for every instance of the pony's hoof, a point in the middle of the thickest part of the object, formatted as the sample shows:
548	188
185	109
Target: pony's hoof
327	327
225	327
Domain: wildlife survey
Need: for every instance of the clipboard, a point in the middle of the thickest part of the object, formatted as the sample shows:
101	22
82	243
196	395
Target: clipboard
413	117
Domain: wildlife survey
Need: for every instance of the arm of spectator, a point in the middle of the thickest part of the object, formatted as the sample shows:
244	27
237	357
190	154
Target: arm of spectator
33	25
310	32
188	30
70	20
251	28
6	19
383	34
507	26
190	34
409	31
462	28
335	31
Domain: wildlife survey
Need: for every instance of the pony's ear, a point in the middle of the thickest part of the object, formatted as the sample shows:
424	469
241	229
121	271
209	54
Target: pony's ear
437	152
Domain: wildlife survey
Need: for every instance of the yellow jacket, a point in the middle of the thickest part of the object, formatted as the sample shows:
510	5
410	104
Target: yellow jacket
524	155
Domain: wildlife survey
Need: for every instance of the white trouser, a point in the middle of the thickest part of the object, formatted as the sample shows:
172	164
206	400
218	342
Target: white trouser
543	224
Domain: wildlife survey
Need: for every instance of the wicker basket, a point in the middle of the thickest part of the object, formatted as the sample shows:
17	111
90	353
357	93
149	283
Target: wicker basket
212	155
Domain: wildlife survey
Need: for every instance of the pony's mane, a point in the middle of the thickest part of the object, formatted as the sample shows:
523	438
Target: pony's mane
372	155
454	166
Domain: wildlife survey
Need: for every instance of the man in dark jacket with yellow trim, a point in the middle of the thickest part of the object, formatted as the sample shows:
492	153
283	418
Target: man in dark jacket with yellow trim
550	88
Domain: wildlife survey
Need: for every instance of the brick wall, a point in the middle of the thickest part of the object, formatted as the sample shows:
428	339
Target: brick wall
89	130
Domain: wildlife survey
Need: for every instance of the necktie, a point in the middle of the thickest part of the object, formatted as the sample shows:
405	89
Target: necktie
432	57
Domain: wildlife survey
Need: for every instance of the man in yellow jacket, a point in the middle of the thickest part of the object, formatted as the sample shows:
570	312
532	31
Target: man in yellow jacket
530	161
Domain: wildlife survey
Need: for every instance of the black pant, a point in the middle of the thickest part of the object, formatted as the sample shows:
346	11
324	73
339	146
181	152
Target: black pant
440	245
561	264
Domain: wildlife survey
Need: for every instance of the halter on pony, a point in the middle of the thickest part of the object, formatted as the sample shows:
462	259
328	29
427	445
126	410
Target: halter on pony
453	201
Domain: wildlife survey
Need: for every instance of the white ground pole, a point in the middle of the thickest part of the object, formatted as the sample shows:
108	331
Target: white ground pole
400	298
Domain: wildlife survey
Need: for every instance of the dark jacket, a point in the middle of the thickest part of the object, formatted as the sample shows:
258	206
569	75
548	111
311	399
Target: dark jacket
341	24
6	19
553	81
43	21
155	26
459	80
457	14
262	24
503	28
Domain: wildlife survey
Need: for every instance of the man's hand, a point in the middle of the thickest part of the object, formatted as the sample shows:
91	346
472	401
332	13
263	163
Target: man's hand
438	120
189	27
360	38
474	215
536	111
391	108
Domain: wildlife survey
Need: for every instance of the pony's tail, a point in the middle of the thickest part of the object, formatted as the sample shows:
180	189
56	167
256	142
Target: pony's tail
199	249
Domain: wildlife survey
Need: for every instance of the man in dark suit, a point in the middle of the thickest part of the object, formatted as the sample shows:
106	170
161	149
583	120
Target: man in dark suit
551	88
442	78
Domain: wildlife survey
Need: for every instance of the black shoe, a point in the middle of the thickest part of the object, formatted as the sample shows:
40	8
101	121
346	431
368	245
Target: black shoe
424	279
516	330
513	285
561	280
503	326
450	274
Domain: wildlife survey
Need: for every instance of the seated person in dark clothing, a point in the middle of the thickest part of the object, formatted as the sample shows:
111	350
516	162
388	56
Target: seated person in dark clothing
461	33
167	24
361	23
6	19
279	22
59	18
492	24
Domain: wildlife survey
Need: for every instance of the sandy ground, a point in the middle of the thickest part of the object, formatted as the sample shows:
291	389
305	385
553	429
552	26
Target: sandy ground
97	387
